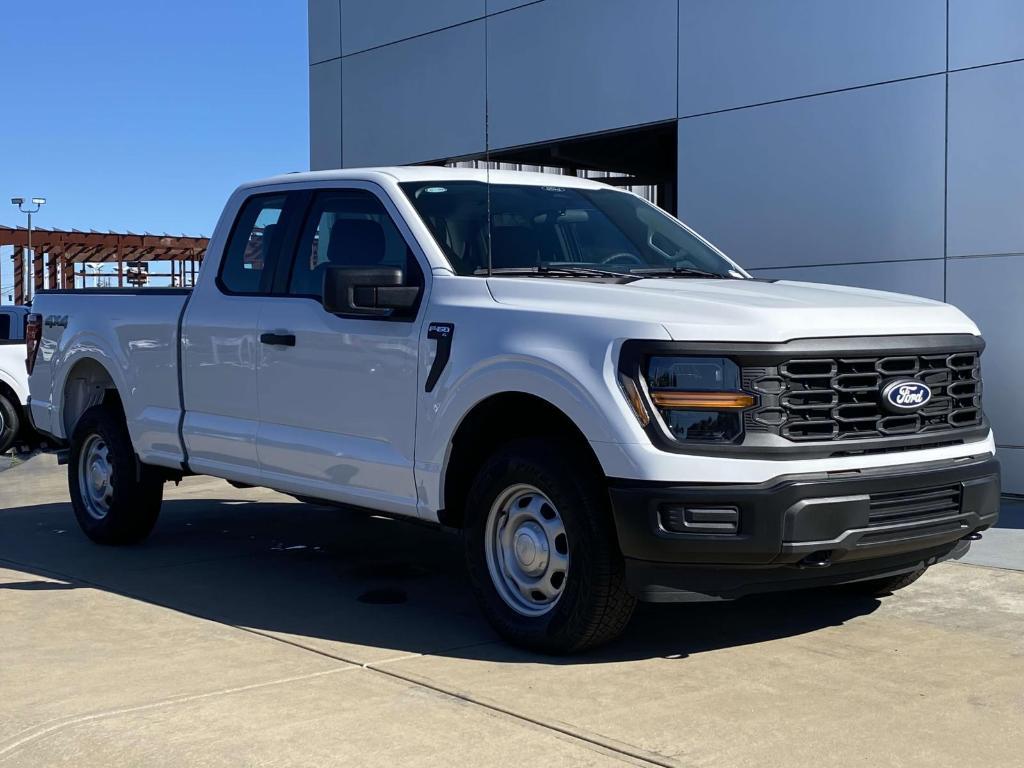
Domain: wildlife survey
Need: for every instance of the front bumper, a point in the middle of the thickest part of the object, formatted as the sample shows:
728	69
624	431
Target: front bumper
802	530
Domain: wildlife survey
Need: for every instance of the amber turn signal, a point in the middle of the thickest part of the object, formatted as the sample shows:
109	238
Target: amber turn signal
716	400
636	402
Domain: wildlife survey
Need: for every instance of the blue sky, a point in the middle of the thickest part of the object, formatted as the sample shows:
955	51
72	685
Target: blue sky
143	115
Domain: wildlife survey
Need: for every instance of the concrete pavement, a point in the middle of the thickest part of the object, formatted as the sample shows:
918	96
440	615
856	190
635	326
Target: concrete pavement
253	630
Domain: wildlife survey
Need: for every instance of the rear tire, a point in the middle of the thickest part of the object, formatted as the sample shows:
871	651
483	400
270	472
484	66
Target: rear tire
541	550
883	587
116	499
10	423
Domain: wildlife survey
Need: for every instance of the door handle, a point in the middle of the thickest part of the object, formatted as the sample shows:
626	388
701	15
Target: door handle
278	339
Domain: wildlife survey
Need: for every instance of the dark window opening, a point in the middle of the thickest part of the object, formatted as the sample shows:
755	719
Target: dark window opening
643	160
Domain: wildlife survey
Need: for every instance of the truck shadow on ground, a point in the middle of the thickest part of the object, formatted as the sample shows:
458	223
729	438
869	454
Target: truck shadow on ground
334	580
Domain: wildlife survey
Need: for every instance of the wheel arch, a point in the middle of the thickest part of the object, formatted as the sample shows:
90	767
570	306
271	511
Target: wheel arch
16	391
8	392
492	422
88	382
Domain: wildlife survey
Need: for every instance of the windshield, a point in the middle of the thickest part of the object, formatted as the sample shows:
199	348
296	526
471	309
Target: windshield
559	230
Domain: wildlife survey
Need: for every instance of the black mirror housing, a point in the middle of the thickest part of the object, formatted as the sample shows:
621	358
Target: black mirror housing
368	292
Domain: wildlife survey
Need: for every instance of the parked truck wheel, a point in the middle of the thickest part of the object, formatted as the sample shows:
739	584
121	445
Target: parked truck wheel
10	423
541	550
116	499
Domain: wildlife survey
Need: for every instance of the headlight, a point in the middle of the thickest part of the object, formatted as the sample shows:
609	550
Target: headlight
698	399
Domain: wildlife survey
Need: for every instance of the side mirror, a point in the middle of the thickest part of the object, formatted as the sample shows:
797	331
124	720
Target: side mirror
368	292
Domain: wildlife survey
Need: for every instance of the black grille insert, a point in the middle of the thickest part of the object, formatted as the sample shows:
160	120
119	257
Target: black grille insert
820	399
920	505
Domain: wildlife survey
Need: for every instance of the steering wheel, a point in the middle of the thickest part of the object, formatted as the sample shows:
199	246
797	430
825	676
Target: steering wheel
623	257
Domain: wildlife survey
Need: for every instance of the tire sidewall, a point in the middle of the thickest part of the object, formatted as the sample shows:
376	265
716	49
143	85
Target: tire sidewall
9	413
135	500
564	482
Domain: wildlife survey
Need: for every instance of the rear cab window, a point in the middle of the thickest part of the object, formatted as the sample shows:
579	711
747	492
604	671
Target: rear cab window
256	239
12	327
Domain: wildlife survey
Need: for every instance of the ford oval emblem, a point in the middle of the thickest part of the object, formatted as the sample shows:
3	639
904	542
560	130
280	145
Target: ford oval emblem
906	394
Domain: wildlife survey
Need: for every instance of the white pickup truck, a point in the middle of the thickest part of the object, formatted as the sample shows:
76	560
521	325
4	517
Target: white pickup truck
604	405
13	378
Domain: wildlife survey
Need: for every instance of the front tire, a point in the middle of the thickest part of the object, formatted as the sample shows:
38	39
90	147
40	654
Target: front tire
10	423
541	550
115	498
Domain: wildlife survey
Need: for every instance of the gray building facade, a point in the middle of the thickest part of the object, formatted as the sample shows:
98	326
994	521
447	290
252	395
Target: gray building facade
875	143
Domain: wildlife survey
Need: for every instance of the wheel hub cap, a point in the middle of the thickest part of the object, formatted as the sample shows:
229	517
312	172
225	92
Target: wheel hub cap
531	548
527	550
95	477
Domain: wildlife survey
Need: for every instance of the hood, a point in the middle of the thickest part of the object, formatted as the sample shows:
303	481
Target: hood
737	310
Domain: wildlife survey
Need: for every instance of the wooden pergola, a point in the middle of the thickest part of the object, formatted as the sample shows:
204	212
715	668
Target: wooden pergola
57	254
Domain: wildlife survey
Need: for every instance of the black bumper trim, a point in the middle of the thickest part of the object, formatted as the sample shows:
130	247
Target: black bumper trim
783	521
666	583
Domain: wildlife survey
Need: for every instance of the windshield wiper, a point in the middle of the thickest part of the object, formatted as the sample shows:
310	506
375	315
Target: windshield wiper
677	272
545	270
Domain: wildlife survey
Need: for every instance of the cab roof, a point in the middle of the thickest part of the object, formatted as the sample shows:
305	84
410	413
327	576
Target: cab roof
428	173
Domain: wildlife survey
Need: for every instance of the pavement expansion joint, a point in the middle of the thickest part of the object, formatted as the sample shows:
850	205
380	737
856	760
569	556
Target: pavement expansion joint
40	730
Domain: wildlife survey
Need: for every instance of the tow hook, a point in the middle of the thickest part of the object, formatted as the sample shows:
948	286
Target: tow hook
822	559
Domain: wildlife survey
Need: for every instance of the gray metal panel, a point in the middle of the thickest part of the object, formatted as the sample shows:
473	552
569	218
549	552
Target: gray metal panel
845	177
985	31
920	278
421	99
735	53
1012	465
498	6
325	115
566	67
324	30
369	23
991	290
986	160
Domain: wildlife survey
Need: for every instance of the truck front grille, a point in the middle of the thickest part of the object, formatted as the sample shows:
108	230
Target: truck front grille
824	398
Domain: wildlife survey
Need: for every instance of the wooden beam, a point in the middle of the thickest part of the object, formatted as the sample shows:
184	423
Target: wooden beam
19	275
48	238
67	266
51	270
37	270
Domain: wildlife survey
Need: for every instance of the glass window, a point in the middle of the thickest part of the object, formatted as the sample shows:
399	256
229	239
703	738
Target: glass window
541	227
5	326
349	228
256	240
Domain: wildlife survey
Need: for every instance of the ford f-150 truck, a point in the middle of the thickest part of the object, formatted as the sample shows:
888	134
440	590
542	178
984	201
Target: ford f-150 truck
607	407
13	378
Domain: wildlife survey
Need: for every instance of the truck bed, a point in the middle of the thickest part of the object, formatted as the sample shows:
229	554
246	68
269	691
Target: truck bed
133	335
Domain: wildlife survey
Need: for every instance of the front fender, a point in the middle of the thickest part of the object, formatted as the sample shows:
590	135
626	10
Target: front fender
588	395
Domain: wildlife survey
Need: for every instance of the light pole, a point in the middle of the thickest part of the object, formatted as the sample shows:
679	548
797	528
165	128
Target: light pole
38	202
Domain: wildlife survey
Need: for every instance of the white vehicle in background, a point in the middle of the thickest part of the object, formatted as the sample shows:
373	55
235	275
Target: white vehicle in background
13	377
605	406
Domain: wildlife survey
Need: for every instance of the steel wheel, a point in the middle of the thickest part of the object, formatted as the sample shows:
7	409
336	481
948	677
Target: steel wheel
527	550
95	477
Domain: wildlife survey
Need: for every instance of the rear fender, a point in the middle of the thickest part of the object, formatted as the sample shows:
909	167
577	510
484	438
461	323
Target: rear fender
85	354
